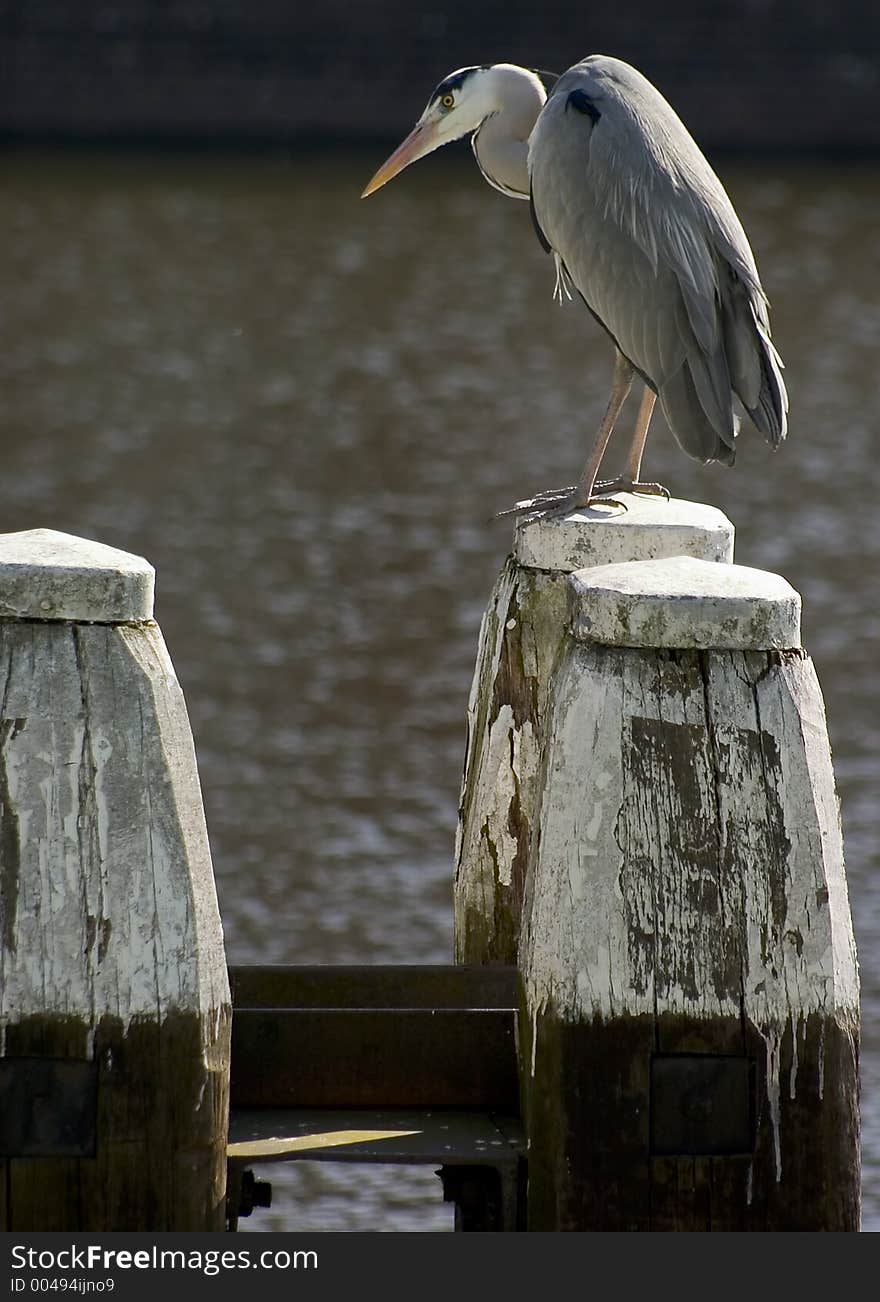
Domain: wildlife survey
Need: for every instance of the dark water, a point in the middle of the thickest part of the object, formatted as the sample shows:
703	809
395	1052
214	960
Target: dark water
304	409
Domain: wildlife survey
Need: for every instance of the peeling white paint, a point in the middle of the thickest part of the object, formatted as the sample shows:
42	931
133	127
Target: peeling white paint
500	776
611	934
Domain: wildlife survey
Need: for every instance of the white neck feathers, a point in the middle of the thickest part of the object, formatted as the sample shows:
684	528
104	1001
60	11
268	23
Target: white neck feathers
512	98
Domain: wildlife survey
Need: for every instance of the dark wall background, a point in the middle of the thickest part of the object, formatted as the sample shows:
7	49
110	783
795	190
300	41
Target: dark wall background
751	74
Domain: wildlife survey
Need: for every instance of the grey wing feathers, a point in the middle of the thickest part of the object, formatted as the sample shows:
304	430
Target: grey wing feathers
657	237
720	319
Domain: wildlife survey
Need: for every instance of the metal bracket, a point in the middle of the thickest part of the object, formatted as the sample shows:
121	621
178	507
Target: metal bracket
253	1193
48	1107
701	1104
486	1198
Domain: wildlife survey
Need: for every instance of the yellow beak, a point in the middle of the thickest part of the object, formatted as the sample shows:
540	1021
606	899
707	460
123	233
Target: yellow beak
420	141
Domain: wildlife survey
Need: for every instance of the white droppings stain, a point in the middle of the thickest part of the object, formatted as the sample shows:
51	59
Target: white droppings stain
591	831
773	1040
459	839
792	1075
525	757
497	790
102	750
511	624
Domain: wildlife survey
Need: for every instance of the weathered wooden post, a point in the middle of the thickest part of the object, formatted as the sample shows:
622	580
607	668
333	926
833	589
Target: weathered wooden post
690	1014
520	639
114	999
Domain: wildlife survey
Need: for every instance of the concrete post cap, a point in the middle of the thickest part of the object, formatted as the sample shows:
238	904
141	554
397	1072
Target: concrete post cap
685	603
650	527
55	576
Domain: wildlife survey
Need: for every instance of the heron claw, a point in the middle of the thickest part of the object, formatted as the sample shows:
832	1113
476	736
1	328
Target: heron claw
624	485
548	498
557	503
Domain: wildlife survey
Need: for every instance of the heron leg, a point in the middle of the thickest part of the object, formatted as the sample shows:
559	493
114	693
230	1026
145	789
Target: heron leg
629	481
561	501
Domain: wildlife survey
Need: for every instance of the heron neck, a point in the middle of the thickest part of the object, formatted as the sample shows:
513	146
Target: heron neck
501	144
503	160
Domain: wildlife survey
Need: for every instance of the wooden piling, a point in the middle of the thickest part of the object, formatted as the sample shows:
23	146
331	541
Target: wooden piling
114	999
690	996
520	640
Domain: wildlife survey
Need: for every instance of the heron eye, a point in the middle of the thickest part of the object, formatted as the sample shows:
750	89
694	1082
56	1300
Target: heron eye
447	101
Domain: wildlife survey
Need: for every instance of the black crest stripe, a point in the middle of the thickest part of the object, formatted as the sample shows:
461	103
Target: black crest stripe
455	81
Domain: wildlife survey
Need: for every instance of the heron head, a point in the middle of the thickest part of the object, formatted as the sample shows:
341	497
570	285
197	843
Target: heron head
456	108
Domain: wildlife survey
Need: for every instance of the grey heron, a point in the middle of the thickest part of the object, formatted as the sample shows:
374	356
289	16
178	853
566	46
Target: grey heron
641	227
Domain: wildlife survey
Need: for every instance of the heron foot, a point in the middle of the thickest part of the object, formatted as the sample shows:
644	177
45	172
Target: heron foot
556	503
623	484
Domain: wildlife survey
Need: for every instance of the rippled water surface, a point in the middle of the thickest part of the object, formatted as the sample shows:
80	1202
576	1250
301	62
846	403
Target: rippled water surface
304	410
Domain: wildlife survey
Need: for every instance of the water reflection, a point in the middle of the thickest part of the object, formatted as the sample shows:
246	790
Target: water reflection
305	410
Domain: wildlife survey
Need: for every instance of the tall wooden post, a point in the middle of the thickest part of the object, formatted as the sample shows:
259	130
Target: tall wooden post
690	1014
520	640
114	1000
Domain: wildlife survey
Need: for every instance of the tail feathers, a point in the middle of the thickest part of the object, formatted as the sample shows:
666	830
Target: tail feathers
711	381
755	366
770	411
686	416
741	346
